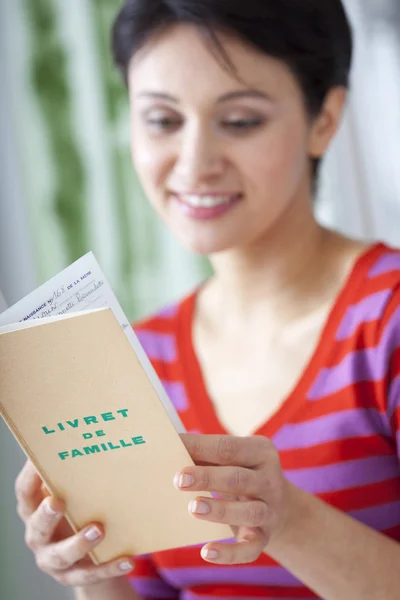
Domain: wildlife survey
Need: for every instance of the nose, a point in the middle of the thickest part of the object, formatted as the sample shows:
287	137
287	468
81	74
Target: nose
199	157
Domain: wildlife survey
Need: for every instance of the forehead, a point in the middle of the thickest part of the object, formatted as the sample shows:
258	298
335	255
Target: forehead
180	61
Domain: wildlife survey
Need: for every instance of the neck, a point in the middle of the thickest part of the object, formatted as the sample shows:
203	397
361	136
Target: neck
281	276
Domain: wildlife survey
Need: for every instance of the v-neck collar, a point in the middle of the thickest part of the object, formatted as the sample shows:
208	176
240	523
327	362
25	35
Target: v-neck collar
200	400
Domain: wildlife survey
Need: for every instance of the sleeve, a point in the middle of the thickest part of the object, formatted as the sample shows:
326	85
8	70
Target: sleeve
389	342
146	580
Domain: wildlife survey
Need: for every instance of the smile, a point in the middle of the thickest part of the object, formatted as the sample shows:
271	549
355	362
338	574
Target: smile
206	201
206	207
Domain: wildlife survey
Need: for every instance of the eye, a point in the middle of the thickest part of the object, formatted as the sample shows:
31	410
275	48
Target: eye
163	123
243	124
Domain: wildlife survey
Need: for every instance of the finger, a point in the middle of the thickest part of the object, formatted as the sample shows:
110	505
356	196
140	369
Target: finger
227	449
62	555
249	514
80	577
245	550
28	491
42	524
236	481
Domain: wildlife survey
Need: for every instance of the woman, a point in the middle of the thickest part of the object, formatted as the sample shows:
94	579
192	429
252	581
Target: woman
289	356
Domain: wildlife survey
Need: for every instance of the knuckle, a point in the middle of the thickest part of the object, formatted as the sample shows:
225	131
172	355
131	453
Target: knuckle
92	577
40	562
220	510
205	479
58	562
256	514
195	449
238	481
40	536
226	450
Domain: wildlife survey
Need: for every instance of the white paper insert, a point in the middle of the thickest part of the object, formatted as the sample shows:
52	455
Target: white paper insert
82	286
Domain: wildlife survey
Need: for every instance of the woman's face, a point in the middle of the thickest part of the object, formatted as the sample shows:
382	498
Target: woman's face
221	158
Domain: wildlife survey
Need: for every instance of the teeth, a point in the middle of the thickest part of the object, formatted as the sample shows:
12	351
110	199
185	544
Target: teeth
205	201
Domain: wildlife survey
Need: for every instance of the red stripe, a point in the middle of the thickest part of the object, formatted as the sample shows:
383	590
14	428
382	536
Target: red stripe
394	370
365	496
394	533
360	395
335	452
252	591
144	567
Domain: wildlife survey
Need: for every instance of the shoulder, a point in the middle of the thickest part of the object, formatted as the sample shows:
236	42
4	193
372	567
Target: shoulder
364	331
163	318
374	287
385	263
369	332
384	275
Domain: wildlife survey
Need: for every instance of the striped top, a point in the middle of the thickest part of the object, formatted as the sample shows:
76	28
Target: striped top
337	433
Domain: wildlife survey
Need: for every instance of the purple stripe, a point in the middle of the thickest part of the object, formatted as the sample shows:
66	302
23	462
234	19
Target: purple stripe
369	364
188	595
177	395
380	517
394	396
358	422
152	588
238	575
350	474
168	312
158	346
387	263
369	309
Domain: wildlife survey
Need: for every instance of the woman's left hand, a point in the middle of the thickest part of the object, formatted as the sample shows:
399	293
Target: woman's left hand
254	496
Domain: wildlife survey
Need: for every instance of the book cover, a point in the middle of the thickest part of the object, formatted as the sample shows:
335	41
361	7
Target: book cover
79	402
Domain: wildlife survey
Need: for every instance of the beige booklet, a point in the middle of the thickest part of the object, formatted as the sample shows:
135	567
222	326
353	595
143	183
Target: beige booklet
79	402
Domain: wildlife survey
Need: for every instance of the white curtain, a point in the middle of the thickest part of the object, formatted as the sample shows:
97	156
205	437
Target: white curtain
3	303
360	192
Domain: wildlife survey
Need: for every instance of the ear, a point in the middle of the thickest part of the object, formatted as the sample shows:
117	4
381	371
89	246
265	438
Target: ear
328	121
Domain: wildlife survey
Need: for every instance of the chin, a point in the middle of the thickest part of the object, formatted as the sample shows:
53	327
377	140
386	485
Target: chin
205	245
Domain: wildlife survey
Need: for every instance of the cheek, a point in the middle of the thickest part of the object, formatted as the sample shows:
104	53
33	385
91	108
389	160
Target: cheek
279	161
150	161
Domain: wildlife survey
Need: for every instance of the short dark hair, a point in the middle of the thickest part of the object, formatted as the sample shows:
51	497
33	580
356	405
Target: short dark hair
313	37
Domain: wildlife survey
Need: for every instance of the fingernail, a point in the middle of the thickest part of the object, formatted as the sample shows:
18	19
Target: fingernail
126	566
93	534
48	510
186	480
199	507
209	553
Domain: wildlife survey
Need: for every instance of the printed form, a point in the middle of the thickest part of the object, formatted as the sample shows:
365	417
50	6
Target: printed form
80	287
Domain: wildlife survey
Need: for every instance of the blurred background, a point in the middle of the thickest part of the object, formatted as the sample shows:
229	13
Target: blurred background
67	185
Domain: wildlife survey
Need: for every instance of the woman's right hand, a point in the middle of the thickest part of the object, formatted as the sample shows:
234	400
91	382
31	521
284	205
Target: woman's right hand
58	551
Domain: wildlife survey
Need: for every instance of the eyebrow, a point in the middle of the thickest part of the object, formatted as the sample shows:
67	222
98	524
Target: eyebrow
225	98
